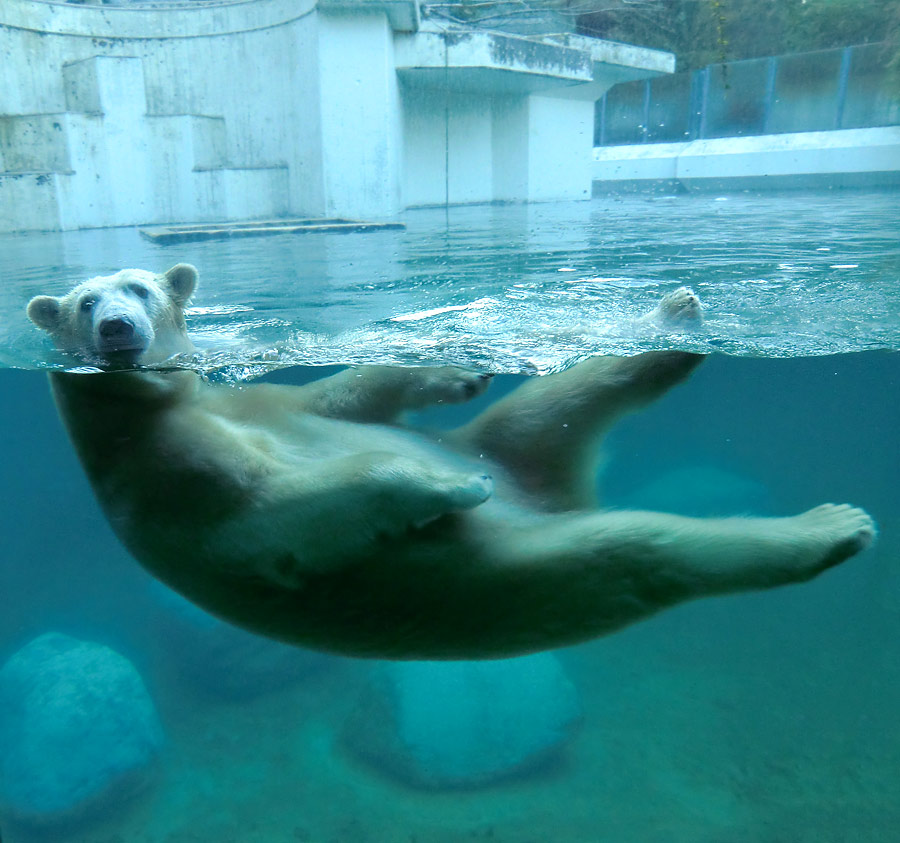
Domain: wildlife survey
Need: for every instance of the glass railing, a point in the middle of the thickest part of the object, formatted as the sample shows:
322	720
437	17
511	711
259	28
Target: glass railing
847	88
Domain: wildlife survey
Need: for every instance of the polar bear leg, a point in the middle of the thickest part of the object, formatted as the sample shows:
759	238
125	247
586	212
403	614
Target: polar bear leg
625	566
477	587
547	432
338	509
566	579
379	394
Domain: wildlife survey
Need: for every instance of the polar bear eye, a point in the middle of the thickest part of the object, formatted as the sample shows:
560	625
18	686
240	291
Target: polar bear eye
140	291
87	303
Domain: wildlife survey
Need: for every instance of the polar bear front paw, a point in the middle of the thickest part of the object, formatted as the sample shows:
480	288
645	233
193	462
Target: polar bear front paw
448	385
471	491
400	491
466	493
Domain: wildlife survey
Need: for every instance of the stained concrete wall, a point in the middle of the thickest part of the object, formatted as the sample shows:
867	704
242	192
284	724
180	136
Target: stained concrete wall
120	115
157	115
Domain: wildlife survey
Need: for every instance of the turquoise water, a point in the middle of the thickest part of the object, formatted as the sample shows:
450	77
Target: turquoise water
526	288
753	718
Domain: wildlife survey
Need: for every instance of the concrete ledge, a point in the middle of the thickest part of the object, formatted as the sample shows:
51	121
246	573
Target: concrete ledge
480	60
500	63
403	15
633	62
851	157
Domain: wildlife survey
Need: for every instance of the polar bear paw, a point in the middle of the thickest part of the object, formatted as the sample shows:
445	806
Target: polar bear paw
456	494
840	530
400	491
449	385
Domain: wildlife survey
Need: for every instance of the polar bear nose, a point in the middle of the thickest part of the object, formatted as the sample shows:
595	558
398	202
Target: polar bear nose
116	329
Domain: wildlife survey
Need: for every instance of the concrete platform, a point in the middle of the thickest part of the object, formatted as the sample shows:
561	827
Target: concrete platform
165	235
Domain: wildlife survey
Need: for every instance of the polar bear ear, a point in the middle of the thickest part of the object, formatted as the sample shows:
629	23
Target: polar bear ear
181	280
44	311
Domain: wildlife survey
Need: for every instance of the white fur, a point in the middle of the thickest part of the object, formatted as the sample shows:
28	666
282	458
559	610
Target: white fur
310	515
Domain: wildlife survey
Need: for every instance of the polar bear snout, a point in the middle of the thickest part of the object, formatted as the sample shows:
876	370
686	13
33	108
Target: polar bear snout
116	330
121	334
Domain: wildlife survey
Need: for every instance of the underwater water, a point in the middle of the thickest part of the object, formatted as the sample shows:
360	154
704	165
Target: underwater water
759	717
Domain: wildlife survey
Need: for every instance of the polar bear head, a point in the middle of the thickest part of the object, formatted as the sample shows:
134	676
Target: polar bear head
130	318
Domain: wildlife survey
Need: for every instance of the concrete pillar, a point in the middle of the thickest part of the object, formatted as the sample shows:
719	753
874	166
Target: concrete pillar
110	184
509	146
560	143
492	117
359	102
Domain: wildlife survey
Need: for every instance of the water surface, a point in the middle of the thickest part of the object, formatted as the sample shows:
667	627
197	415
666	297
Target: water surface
511	288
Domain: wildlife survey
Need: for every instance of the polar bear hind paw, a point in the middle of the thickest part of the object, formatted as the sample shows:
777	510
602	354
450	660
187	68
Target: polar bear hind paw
844	530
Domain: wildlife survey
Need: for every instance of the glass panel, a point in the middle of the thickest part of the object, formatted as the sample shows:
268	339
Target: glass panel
736	101
449	143
870	99
806	92
670	99
625	113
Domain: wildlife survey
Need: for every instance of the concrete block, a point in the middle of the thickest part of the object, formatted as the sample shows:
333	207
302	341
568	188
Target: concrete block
29	202
255	193
560	142
109	85
359	104
111	181
34	143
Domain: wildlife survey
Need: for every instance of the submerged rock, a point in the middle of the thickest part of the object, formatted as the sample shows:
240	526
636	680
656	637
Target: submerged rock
701	491
461	724
224	661
78	730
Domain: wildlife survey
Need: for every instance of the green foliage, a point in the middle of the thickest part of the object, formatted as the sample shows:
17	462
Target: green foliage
702	32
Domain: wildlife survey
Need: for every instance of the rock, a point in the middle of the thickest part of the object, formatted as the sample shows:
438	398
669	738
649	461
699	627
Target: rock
224	661
78	730
461	724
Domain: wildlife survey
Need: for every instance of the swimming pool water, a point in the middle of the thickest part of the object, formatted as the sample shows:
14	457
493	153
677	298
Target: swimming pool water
510	288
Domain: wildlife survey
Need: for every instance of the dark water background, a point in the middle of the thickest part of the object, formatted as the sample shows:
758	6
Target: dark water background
765	717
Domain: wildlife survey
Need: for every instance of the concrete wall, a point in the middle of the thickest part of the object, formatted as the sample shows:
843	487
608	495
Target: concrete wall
157	115
842	158
490	117
121	115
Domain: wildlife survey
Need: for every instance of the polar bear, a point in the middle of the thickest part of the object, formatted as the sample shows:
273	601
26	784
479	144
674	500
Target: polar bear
311	515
